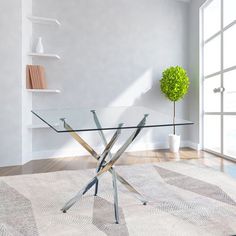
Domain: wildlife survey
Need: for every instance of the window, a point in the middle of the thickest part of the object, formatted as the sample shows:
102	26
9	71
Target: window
219	76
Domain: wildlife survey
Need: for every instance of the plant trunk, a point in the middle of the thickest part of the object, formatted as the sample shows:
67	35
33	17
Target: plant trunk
174	118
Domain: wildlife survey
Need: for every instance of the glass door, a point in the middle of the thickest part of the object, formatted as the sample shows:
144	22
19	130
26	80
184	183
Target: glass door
219	76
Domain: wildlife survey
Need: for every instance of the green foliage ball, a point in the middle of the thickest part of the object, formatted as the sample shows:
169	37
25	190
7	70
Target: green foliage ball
174	83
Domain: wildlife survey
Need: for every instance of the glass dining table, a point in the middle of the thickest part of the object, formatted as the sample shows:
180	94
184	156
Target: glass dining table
76	120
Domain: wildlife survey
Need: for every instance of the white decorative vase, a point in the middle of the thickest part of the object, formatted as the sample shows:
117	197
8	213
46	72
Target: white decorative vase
39	47
174	142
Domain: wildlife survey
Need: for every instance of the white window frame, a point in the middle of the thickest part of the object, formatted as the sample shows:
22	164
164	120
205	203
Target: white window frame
202	43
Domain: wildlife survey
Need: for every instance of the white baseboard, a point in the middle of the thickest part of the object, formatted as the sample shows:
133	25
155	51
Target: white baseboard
69	152
140	146
26	158
9	163
195	146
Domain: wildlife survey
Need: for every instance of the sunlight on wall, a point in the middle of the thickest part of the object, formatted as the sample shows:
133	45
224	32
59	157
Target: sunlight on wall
142	85
128	98
133	92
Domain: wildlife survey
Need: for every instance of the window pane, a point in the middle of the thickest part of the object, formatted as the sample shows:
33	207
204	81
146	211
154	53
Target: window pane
212	99
230	47
212	132
212	58
212	19
229	11
230	91
230	135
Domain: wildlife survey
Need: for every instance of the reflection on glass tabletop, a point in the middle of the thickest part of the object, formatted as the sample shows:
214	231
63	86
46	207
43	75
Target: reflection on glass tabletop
109	118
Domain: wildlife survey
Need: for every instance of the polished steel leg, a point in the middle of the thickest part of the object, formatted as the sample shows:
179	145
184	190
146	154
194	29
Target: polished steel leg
80	140
95	179
96	156
107	166
131	189
120	152
115	195
102	161
73	200
114	182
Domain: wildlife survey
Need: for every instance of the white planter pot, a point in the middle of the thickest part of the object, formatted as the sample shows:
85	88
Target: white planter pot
174	142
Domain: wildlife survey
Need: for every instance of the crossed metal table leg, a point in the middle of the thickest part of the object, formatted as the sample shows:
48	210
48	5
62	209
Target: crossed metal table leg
105	166
114	183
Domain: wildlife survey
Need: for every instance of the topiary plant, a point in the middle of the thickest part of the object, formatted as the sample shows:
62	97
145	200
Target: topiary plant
174	84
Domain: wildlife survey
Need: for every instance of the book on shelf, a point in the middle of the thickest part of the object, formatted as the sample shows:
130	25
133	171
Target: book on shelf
28	80
35	77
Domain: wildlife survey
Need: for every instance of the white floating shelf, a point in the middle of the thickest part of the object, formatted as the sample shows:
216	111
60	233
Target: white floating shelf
32	54
44	90
43	20
40	126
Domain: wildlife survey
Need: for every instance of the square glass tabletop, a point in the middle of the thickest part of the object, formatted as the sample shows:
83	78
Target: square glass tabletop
109	118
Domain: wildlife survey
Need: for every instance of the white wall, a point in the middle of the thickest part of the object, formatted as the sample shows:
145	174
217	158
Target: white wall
26	100
10	82
113	53
110	50
193	67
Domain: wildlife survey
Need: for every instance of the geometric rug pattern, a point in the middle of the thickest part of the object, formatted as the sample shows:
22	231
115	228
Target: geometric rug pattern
16	212
183	199
194	185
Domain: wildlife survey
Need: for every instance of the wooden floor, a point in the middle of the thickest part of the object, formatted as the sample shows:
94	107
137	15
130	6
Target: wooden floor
85	162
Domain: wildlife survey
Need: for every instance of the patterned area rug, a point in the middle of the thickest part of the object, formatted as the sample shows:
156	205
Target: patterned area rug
184	199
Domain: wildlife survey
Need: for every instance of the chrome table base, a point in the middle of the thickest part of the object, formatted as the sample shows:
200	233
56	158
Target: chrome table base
103	165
